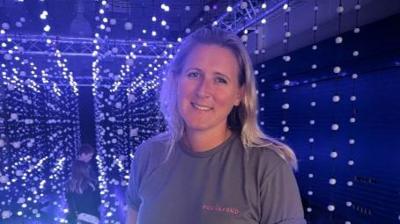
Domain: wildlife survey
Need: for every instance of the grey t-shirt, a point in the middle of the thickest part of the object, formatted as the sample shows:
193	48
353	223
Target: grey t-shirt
225	185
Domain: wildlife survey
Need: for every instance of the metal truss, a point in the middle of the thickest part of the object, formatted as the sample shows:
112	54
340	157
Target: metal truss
84	47
246	13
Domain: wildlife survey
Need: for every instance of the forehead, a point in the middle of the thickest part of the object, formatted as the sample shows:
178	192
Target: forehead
212	57
87	153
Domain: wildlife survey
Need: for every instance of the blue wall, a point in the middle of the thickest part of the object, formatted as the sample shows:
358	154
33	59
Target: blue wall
374	196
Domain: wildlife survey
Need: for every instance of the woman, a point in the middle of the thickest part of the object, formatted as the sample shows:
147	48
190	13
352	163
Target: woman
83	197
214	165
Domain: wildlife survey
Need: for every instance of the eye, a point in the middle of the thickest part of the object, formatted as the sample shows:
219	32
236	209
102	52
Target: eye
221	80
193	74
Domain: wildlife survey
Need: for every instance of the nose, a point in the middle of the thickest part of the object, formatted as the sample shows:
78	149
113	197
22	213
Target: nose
204	88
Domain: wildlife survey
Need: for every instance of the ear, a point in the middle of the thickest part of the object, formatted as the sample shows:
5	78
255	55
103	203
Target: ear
239	96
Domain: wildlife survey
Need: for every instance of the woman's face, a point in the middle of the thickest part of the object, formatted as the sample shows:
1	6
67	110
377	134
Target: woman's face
208	88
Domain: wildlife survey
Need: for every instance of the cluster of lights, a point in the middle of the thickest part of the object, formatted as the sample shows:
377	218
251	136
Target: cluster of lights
122	114
117	108
352	119
39	126
311	140
56	54
335	126
165	7
286	58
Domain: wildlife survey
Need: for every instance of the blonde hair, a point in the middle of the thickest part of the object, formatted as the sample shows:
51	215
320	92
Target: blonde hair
242	118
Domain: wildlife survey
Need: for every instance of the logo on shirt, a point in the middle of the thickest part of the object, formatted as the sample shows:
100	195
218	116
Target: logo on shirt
216	208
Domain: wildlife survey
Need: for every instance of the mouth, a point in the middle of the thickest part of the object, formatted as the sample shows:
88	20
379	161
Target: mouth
201	107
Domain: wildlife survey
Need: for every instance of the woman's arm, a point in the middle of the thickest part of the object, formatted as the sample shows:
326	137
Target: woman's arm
131	216
280	197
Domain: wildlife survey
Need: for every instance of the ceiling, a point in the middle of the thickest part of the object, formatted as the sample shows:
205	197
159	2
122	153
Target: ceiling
77	18
301	21
130	17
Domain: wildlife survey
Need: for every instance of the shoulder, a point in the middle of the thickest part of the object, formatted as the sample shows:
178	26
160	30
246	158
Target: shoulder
266	159
154	144
152	150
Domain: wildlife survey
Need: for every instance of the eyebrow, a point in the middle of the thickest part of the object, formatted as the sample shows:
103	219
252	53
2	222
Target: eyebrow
217	73
192	68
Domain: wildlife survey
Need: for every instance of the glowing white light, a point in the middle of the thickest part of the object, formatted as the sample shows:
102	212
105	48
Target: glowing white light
229	9
331	208
285	6
154	19
314	47
264	6
285	106
339	40
340	9
47	28
165	7
336	98
337	69
44	15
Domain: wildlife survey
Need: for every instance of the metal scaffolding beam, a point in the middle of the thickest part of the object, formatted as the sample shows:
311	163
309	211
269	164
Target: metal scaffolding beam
84	47
246	13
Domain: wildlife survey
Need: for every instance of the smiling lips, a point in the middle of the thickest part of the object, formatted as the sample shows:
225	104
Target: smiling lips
201	107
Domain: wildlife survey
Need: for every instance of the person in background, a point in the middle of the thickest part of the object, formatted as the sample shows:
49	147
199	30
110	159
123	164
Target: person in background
214	164
85	153
83	196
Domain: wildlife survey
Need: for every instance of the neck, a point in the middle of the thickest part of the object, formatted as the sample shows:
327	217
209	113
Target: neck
201	141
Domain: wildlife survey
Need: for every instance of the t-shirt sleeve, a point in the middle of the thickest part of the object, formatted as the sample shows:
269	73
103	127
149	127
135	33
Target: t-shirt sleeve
280	197
133	199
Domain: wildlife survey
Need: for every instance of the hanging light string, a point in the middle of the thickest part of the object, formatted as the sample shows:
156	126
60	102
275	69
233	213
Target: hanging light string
286	58
311	140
